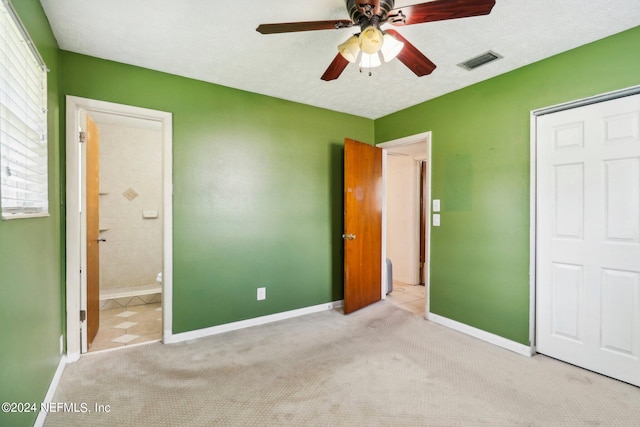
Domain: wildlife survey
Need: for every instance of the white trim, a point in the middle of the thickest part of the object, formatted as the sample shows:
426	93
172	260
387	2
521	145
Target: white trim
533	182
72	238
620	93
383	236
42	415
26	215
407	140
242	324
75	254
482	335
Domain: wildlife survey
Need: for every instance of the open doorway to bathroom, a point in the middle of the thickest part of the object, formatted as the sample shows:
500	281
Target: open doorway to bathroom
130	231
132	217
407	195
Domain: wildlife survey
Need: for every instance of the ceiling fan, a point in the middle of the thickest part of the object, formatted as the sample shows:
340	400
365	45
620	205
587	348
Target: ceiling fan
374	45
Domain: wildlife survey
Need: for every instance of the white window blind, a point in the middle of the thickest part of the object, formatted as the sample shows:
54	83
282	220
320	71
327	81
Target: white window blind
23	121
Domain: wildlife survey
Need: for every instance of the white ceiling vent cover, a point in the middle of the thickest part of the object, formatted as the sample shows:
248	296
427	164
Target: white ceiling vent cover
479	60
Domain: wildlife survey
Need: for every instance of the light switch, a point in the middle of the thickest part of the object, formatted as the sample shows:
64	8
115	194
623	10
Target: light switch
436	220
436	205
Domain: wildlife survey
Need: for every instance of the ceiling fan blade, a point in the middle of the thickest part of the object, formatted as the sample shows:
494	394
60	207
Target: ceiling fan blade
412	57
336	68
440	10
292	27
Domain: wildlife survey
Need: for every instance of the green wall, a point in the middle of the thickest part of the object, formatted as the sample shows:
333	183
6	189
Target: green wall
31	298
258	197
257	191
480	152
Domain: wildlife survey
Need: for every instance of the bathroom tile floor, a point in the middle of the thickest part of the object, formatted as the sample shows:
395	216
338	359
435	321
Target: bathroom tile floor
120	327
408	297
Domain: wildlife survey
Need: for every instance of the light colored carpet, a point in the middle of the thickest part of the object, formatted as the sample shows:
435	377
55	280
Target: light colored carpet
380	366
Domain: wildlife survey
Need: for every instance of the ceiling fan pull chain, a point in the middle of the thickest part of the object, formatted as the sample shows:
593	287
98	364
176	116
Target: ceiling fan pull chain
370	73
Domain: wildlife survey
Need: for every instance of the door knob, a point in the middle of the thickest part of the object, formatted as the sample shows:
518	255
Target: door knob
349	236
101	240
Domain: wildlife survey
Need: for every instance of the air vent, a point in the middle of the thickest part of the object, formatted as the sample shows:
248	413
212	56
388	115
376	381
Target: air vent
476	62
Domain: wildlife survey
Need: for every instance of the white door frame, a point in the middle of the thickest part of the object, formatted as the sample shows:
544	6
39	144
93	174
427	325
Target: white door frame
634	90
421	138
76	208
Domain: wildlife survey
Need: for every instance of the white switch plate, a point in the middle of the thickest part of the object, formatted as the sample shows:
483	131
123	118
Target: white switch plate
436	205
436	220
262	294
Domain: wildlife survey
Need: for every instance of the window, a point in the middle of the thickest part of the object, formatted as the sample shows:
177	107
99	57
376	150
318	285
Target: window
23	121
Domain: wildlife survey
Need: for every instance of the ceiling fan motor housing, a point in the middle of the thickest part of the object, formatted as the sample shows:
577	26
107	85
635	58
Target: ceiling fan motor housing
364	13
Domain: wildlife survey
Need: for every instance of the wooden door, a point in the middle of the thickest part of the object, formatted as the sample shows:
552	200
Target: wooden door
588	237
362	225
93	230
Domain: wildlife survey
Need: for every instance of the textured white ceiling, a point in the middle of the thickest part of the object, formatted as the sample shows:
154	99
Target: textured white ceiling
216	41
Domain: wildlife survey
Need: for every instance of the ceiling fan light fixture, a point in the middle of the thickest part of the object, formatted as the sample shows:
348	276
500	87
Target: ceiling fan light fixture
350	49
370	60
371	40
391	47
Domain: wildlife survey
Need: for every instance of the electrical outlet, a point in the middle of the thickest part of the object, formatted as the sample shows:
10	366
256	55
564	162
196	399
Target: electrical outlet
262	294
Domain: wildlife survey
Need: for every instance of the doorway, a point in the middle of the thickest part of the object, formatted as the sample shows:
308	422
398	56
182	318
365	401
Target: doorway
407	177
135	222
129	232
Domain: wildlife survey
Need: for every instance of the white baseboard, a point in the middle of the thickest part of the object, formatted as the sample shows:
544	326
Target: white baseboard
73	357
214	330
516	347
48	398
130	291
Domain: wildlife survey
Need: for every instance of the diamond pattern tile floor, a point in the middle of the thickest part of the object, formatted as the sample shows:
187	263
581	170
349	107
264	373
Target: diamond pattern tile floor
124	326
127	314
125	338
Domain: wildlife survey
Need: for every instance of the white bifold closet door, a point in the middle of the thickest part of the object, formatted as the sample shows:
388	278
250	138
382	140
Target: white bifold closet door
588	237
